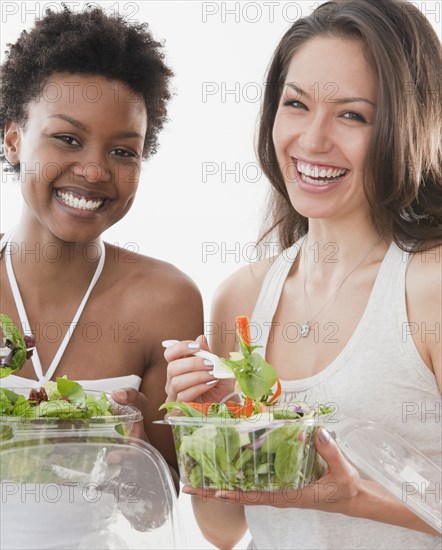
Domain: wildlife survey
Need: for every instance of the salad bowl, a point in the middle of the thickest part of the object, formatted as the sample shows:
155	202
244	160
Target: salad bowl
251	443
257	453
94	412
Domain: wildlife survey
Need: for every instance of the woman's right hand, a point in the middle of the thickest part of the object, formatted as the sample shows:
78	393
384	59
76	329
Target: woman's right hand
188	376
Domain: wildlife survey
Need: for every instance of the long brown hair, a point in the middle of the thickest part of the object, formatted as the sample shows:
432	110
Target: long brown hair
402	175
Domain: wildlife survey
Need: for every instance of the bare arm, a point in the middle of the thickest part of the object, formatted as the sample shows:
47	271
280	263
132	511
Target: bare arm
165	305
222	524
181	317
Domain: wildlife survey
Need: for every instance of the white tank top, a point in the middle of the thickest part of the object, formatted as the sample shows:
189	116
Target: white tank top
379	376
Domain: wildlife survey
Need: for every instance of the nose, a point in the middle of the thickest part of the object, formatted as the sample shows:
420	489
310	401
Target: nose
94	168
316	135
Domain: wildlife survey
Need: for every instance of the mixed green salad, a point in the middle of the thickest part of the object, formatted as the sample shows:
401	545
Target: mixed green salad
29	452
252	444
274	456
15	347
64	399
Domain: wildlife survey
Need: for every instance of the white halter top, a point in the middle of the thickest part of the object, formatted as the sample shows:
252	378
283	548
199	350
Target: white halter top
106	384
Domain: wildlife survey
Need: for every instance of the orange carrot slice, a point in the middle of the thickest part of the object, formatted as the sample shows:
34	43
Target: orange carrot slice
277	392
242	322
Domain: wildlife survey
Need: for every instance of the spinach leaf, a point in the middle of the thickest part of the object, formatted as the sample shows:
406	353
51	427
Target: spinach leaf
287	459
183	407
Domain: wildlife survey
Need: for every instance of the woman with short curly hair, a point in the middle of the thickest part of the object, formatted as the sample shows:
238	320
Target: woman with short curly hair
83	98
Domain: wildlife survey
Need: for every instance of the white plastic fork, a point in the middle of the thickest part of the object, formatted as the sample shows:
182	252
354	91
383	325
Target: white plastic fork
219	370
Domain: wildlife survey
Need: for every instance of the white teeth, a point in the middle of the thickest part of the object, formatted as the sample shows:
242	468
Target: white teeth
314	171
80	203
319	183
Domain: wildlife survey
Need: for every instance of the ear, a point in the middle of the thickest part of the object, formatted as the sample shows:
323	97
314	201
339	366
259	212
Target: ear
12	142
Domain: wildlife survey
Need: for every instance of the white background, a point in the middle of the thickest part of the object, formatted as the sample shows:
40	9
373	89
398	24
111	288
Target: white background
201	196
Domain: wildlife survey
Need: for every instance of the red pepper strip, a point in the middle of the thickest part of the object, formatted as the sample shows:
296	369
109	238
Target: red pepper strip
277	392
243	325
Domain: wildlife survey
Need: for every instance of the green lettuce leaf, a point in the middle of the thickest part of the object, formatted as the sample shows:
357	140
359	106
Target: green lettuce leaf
181	406
71	390
19	348
254	375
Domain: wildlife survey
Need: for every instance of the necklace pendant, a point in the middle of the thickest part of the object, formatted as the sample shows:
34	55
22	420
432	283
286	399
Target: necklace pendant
305	329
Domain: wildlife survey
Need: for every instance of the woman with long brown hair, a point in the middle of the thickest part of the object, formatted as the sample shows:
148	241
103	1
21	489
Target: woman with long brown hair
349	312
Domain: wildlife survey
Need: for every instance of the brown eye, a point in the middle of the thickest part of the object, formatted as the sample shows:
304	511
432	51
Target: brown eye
354	116
295	104
123	153
69	140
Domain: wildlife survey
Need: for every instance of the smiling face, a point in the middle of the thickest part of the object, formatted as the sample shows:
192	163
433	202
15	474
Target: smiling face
323	127
80	155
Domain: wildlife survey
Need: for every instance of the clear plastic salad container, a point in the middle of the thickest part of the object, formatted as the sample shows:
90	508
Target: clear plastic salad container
76	491
247	454
116	419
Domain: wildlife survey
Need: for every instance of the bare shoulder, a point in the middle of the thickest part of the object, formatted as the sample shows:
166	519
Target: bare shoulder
237	295
162	300
147	276
243	285
424	277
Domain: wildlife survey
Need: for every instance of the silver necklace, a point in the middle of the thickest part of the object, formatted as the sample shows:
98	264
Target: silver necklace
305	327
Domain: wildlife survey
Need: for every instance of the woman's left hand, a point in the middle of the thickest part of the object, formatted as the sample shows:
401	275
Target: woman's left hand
130	396
335	491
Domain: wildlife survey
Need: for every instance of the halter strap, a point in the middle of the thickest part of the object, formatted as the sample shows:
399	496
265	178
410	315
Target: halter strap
5	244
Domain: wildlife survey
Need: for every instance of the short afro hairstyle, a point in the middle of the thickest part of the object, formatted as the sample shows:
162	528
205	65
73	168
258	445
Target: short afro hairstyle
89	42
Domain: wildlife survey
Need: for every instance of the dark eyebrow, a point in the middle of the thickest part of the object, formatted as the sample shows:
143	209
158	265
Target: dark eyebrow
72	121
81	126
340	101
129	135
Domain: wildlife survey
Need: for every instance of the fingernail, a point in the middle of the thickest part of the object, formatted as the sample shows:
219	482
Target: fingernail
204	339
324	436
208	363
167	343
119	394
212	382
193	345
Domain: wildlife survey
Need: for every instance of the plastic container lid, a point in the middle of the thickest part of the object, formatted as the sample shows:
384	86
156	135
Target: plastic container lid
70	490
391	461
